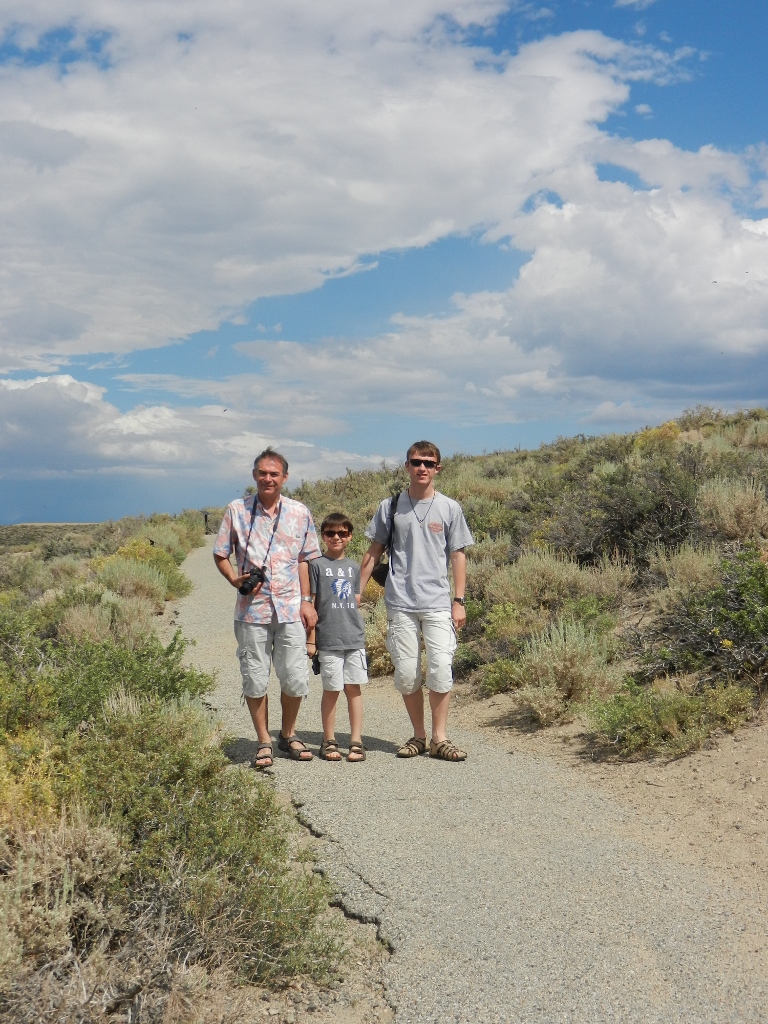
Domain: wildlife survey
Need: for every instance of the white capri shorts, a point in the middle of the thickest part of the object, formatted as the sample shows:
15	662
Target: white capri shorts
403	635
343	668
282	644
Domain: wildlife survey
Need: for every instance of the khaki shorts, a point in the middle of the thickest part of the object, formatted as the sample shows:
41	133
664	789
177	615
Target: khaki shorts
404	632
342	668
282	644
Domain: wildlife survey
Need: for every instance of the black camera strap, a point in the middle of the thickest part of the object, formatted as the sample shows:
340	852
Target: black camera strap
250	529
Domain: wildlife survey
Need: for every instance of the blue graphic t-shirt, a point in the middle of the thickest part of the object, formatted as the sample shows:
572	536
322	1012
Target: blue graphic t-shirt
336	581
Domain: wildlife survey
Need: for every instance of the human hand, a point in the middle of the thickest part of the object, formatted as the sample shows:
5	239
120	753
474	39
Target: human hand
458	615
308	615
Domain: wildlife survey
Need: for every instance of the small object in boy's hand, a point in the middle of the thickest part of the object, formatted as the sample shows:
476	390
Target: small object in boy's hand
316	663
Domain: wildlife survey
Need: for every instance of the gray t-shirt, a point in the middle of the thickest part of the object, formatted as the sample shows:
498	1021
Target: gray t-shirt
426	532
336	581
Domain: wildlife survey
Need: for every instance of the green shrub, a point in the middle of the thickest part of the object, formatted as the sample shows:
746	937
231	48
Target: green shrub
479	576
139	549
646	720
66	683
165	537
131	578
211	843
556	670
542	578
87	673
649	498
132	618
494	549
722	634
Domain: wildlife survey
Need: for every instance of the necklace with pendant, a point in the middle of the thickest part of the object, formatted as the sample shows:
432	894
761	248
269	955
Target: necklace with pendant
413	508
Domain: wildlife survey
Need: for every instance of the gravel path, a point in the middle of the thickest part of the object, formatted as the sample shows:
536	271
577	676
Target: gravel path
506	889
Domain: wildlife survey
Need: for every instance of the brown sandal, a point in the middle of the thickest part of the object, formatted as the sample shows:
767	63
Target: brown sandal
263	757
330	747
293	747
356	748
415	746
446	751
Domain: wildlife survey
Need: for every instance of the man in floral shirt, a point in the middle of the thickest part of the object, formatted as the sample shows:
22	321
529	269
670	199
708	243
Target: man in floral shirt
274	533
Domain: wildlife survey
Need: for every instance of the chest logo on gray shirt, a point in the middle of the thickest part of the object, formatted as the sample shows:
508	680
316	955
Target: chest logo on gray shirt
436	527
342	589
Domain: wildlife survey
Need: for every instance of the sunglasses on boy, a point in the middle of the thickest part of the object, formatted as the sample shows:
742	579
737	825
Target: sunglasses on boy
427	463
335	533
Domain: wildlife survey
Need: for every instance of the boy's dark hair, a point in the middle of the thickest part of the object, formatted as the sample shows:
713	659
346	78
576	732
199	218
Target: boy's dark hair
424	448
337	519
270	453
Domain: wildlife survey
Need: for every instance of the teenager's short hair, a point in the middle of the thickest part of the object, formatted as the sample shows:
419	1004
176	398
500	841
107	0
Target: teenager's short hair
424	448
270	453
337	519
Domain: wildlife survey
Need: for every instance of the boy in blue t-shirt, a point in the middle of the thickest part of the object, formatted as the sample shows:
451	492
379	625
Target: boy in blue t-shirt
339	637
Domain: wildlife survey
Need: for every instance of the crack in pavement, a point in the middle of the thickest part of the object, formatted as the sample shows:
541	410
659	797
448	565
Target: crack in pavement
506	887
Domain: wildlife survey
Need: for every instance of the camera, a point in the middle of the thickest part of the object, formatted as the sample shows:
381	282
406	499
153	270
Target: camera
255	578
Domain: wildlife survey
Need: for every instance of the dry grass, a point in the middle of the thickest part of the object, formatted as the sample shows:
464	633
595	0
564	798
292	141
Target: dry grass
86	622
688	570
379	661
733	509
557	671
130	578
545	578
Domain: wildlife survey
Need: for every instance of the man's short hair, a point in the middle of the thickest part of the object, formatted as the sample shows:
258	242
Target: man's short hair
337	519
270	453
424	448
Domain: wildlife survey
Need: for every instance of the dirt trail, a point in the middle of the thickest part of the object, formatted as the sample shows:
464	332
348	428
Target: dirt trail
516	886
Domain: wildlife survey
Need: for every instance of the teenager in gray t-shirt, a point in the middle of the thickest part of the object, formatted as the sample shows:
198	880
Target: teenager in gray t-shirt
430	533
427	531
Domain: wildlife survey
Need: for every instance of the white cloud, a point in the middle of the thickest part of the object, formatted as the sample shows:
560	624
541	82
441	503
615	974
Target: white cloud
55	427
625	413
639	5
644	109
213	154
238	150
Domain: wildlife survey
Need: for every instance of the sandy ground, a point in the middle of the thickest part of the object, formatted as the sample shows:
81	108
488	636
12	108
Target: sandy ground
706	809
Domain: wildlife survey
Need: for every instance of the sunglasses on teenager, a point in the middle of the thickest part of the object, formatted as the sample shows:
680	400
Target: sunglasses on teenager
335	533
427	463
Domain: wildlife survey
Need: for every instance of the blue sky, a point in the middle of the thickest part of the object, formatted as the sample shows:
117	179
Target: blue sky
337	228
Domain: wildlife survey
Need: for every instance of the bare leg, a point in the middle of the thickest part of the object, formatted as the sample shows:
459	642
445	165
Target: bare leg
438	704
355	707
328	715
290	706
414	705
259	716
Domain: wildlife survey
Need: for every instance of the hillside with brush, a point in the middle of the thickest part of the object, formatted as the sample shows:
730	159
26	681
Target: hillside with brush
621	578
140	877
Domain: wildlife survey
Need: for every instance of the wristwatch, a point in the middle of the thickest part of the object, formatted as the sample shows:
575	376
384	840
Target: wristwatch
304	597
459	600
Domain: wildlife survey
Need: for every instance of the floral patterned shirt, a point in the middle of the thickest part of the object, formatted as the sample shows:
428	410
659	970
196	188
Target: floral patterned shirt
295	541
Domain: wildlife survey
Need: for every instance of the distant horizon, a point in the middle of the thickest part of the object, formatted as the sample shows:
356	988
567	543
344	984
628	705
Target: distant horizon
392	462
